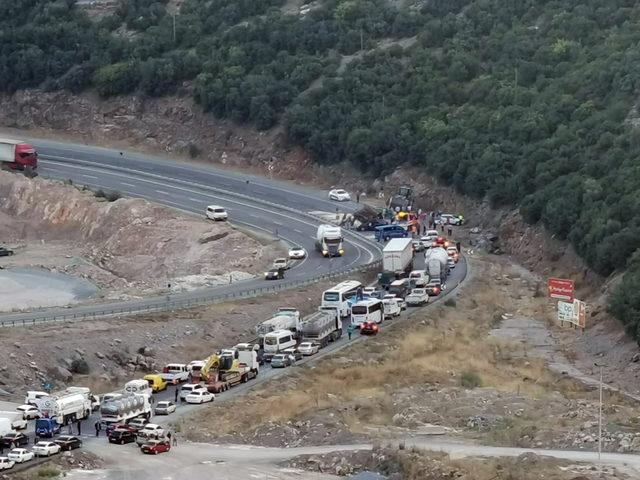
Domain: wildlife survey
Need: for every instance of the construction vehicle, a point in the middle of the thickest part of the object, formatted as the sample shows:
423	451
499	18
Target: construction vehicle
409	220
402	200
229	367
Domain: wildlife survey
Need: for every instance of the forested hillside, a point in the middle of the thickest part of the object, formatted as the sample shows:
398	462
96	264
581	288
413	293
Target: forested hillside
528	102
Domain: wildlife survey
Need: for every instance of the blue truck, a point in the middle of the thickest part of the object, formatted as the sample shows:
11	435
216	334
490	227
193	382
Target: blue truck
47	427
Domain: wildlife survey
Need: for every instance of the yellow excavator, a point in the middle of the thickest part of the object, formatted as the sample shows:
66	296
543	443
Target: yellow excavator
224	370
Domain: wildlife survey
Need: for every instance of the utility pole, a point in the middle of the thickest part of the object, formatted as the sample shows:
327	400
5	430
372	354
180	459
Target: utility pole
516	87
600	419
361	40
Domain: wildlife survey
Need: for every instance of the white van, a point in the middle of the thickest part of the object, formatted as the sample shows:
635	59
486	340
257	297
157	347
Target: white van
216	212
33	395
277	341
370	310
140	386
419	278
6	427
391	307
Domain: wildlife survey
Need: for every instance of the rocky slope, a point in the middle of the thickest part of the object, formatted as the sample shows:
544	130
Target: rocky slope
128	244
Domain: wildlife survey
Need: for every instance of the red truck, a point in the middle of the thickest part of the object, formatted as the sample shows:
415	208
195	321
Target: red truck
18	155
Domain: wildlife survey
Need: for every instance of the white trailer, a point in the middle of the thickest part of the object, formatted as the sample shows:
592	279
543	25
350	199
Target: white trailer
124	409
66	406
16	418
440	256
397	261
284	319
322	327
139	386
5	427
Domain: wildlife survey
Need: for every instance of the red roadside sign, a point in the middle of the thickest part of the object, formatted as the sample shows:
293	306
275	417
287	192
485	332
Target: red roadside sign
561	289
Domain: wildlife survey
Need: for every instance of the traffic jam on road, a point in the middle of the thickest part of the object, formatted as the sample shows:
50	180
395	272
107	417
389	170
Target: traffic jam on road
409	278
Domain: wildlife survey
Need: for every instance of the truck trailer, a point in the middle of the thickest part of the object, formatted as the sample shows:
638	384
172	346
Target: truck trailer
65	406
125	408
397	261
436	261
284	319
18	155
322	327
329	241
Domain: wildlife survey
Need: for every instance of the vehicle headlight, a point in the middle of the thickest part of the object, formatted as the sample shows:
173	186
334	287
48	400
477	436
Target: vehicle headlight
341	252
325	252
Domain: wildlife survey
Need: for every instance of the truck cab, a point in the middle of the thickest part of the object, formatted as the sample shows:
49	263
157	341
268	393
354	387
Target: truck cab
47	427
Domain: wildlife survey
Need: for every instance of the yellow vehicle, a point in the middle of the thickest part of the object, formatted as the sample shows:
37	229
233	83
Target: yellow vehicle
156	382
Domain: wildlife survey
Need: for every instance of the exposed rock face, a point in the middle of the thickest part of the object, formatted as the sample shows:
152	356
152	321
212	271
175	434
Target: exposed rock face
132	239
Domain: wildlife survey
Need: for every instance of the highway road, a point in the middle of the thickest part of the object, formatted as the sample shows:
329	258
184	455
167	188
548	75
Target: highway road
262	205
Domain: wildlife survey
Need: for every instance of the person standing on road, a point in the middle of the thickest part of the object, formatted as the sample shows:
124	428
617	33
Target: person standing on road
175	440
350	330
169	436
358	197
97	427
79	427
458	246
175	396
449	230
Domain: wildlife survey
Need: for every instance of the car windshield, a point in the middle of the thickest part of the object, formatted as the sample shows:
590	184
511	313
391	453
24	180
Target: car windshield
270	341
331	296
340	192
305	345
278	357
218	210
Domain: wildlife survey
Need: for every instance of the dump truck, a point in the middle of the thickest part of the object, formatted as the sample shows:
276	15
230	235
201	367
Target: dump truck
322	327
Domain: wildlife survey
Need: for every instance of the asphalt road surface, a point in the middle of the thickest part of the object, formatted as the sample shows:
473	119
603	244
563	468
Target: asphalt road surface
256	203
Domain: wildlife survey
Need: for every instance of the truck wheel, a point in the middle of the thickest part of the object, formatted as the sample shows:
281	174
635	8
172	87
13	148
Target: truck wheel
386	239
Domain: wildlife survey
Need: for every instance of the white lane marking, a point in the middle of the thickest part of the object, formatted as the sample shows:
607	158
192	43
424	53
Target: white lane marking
278	223
205	187
89	176
298	231
162	192
194	199
128	184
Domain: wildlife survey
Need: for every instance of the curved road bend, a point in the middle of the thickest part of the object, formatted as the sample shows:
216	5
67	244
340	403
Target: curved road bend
191	188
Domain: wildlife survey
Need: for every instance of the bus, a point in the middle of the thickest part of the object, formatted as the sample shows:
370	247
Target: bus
338	296
370	310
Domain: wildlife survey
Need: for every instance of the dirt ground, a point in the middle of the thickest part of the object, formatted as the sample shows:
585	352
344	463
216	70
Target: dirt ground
116	350
414	464
445	370
127	247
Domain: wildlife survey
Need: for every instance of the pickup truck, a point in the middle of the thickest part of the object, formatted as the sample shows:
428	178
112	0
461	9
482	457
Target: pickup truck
175	373
418	296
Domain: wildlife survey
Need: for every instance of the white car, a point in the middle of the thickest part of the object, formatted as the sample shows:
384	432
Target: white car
200	396
6	463
216	212
339	195
190	388
418	296
308	348
29	412
281	263
45	449
448	219
391	307
165	408
20	455
297	253
401	302
153	430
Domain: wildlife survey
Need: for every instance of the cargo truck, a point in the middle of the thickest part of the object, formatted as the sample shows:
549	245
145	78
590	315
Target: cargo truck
230	367
322	327
329	241
397	261
18	155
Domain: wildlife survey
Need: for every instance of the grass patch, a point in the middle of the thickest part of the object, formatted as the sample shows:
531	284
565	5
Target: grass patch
48	472
470	380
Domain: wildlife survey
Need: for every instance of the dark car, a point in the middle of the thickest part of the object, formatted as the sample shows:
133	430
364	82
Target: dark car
12	440
5	252
119	426
281	361
122	436
369	328
370	226
274	274
68	442
155	446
